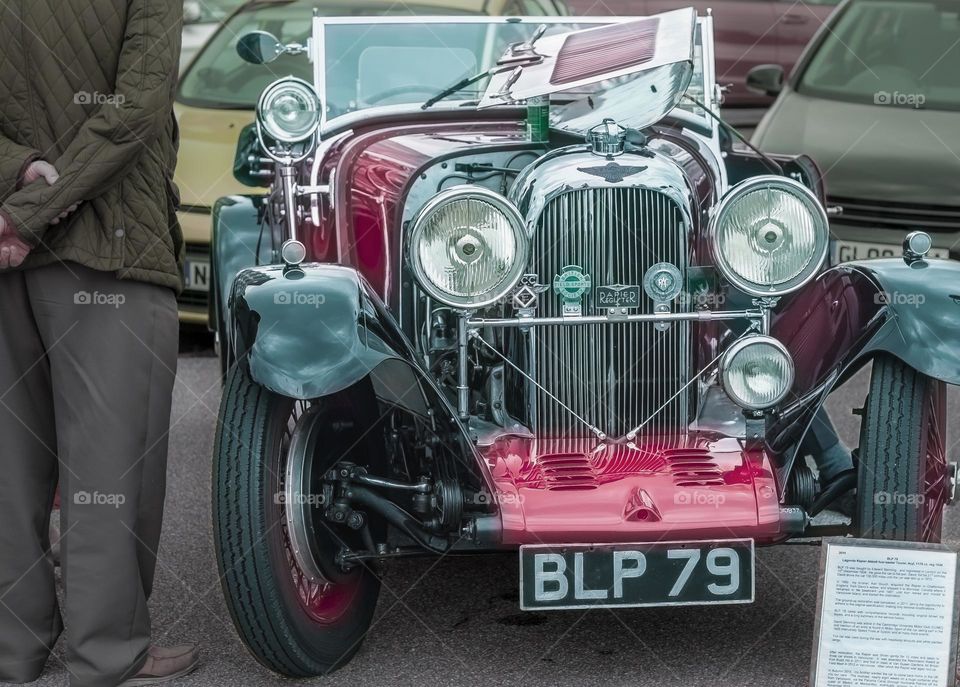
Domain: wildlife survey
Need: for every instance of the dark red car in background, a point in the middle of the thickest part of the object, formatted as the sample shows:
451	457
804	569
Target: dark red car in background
748	33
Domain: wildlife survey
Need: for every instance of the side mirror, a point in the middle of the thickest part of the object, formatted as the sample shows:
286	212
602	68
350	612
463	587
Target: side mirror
260	47
766	79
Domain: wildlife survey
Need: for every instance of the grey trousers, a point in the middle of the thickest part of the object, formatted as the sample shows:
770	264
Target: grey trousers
87	367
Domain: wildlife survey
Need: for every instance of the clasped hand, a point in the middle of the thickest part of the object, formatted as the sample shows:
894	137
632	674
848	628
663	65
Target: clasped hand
13	249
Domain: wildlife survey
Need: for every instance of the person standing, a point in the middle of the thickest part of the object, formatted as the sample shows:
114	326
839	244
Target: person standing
90	264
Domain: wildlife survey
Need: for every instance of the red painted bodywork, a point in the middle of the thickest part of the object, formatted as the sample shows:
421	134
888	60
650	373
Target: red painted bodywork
623	494
374	169
701	487
823	323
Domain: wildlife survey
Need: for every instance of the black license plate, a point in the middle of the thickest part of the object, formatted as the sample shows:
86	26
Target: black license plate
618	296
661	574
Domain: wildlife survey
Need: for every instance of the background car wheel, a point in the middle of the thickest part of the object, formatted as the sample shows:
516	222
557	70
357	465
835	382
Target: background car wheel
903	474
292	625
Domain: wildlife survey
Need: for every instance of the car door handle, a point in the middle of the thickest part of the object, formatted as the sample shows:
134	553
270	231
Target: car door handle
794	19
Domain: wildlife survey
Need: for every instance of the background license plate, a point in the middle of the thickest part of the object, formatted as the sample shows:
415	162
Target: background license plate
844	251
196	275
662	574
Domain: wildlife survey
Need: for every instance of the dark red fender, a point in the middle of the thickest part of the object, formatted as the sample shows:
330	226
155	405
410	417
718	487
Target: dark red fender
826	324
373	171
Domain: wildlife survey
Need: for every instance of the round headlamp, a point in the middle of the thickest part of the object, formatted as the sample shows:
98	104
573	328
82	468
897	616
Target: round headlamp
770	236
468	247
757	372
289	110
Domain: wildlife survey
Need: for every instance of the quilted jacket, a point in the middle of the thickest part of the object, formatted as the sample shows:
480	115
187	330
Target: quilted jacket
88	86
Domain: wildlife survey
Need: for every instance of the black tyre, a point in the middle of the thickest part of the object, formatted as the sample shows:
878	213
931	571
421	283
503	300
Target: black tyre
903	475
292	625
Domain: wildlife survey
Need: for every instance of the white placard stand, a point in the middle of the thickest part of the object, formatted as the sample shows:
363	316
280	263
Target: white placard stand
886	615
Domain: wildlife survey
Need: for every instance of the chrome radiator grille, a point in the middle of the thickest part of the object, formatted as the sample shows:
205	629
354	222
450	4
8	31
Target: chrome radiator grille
613	375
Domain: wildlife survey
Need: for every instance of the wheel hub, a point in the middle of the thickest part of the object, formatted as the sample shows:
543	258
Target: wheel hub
301	503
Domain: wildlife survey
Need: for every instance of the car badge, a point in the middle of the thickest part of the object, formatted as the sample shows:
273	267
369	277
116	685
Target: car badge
618	298
571	284
611	172
663	282
527	295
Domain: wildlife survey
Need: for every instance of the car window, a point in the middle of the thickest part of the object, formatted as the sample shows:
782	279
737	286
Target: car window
890	53
218	78
215	10
370	65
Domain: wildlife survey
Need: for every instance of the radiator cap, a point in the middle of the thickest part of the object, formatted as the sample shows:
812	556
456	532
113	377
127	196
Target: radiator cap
607	139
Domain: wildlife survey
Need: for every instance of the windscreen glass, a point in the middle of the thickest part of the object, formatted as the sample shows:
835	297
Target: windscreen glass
891	53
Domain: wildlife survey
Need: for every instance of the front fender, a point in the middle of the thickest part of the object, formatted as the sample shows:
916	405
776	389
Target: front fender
923	302
313	331
237	242
855	311
858	309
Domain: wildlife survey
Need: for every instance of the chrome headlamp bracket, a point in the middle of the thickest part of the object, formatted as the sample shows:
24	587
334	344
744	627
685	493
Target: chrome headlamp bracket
285	153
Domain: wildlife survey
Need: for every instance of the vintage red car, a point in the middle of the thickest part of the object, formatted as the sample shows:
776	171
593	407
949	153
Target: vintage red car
511	288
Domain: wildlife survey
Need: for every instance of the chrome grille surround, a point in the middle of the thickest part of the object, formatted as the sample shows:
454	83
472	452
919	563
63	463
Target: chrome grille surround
614	375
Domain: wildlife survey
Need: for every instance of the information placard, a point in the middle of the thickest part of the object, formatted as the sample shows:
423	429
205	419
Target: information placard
886	615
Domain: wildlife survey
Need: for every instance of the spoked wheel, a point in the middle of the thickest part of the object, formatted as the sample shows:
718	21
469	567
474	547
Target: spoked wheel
298	612
904	480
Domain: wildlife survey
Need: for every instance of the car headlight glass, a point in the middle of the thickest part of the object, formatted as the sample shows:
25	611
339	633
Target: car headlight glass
468	247
289	110
770	236
757	372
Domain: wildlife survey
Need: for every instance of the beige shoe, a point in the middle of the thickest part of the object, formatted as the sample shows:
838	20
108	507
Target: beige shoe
165	665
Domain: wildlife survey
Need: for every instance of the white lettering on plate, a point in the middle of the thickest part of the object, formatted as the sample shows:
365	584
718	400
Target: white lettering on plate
542	576
620	573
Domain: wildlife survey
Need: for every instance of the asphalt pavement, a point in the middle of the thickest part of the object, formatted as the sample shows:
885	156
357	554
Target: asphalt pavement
457	621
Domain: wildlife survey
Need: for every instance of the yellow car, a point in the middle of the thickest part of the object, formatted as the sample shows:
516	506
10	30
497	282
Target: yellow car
218	93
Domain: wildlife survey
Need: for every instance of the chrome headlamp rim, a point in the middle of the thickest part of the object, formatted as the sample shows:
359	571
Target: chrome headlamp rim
271	91
809	199
459	193
740	345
